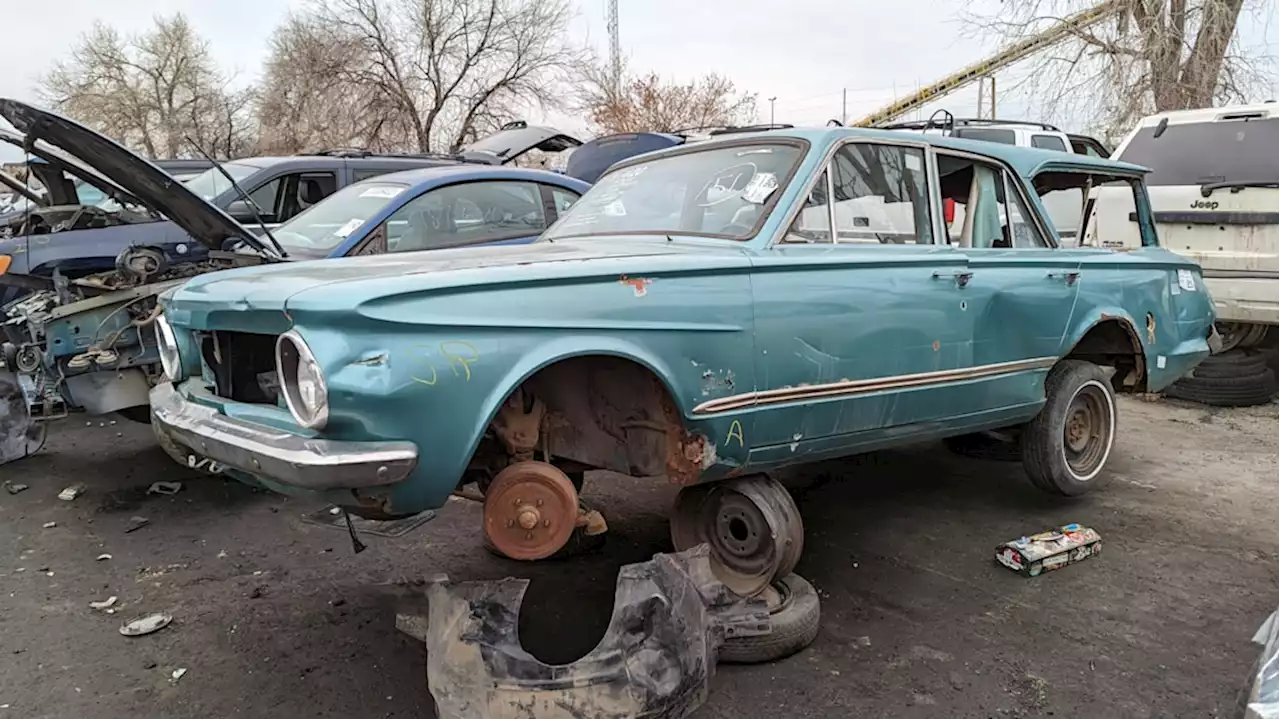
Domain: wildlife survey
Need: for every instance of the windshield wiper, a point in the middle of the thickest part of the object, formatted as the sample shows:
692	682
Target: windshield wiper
248	201
1208	188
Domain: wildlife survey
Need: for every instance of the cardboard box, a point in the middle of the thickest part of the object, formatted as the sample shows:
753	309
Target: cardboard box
1046	551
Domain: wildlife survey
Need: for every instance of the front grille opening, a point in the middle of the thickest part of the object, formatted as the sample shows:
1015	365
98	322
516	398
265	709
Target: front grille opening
243	365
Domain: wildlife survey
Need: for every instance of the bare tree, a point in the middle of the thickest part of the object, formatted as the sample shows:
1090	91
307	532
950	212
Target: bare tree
150	91
1149	56
646	102
434	74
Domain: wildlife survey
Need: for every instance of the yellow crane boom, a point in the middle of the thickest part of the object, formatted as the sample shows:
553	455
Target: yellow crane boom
1002	59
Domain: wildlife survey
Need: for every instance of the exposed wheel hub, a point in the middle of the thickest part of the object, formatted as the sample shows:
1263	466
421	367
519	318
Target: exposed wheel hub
530	510
1086	429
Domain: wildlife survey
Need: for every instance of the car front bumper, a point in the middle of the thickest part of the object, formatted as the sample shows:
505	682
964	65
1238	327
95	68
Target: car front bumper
279	455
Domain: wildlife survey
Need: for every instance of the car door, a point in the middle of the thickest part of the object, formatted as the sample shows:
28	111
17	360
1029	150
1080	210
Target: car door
1023	290
498	212
860	312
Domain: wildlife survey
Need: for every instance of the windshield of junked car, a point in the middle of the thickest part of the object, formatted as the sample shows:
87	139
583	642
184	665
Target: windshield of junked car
718	190
325	225
211	183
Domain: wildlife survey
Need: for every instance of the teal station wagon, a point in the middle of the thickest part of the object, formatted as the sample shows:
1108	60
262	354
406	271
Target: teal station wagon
709	313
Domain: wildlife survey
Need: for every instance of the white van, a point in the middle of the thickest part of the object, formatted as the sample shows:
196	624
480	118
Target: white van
1062	206
1213	187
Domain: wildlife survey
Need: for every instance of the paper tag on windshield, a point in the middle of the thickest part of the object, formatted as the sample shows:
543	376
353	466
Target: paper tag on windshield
382	191
760	187
615	209
351	226
1186	280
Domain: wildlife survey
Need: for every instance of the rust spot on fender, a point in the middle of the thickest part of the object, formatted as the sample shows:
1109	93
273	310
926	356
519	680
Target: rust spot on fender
639	284
688	453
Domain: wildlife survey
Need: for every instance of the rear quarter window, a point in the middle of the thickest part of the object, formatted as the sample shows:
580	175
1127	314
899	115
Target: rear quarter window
1203	152
1004	137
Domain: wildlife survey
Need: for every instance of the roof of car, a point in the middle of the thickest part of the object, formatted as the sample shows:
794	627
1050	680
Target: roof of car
1027	161
465	171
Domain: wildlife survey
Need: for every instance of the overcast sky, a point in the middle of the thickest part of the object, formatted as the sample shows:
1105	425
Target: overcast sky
803	52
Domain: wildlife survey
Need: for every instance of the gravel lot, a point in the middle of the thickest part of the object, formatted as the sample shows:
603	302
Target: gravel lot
275	617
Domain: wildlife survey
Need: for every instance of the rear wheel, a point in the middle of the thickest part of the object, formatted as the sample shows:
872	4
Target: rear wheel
1066	446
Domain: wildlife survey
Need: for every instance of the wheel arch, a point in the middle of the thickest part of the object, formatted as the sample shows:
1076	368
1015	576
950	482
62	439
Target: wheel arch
1109	337
600	367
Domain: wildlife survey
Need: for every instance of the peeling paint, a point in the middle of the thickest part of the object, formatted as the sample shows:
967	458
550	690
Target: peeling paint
713	382
374	361
639	284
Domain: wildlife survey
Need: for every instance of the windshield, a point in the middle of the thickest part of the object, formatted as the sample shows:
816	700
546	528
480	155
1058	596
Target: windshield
325	225
211	183
1201	153
715	191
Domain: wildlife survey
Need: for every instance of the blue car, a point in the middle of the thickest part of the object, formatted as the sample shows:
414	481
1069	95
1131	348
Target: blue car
86	344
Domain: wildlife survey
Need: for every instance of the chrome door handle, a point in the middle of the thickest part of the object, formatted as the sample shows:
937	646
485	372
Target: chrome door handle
962	277
1070	276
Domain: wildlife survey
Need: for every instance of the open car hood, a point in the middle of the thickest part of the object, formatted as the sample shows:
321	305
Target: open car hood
515	139
59	160
154	187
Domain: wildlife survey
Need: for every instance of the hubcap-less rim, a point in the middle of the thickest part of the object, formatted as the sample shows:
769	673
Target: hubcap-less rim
1088	430
530	510
751	526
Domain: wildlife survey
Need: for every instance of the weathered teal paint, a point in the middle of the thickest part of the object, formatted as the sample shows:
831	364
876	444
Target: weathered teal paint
424	347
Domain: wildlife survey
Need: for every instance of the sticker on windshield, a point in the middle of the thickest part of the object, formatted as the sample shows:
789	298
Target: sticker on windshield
351	226
383	191
615	209
1186	280
760	187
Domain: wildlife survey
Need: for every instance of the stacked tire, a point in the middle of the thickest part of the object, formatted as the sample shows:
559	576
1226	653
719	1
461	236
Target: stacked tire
1236	378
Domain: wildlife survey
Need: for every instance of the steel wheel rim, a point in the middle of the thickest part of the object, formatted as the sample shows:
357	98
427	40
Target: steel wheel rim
1088	430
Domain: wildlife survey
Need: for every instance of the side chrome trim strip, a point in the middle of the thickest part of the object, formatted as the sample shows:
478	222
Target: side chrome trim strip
865	386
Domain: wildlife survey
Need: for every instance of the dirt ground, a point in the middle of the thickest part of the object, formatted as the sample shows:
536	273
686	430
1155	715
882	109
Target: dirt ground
275	617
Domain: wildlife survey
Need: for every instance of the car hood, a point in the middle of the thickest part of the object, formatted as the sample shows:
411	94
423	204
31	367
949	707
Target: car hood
345	283
55	157
155	188
517	138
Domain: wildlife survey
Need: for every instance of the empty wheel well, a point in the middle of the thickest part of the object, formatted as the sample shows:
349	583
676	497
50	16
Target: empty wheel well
1113	343
595	412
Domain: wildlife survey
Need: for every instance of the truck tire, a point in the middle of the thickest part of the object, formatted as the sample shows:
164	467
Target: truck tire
1066	446
794	626
1249	390
985	445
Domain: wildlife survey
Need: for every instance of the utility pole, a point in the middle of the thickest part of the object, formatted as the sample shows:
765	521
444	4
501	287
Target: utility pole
771	100
615	51
844	106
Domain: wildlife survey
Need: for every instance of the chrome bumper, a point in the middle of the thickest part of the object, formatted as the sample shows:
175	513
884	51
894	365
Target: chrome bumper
274	454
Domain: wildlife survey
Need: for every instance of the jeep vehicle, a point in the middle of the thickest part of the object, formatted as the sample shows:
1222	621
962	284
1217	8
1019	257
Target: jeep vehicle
1213	188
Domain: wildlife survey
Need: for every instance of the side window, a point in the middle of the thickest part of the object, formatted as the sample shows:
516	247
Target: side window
467	213
881	195
563	199
304	190
265	198
366	173
1048	142
813	222
989	212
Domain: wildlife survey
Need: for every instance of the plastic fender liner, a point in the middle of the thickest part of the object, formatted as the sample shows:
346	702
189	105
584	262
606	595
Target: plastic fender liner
670	617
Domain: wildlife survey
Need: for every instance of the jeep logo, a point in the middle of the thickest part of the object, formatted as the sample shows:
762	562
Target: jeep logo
1204	205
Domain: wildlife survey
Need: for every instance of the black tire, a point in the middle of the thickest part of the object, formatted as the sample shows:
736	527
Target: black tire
1044	443
794	626
1235	363
1239	391
984	445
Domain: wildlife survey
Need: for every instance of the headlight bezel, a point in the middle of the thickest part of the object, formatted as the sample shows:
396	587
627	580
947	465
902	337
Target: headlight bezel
292	355
170	353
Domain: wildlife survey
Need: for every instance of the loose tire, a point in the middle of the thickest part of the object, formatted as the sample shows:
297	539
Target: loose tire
794	626
1066	446
1227	392
985	445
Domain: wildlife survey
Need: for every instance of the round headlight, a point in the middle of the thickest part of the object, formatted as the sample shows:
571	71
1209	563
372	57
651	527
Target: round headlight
302	382
170	358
